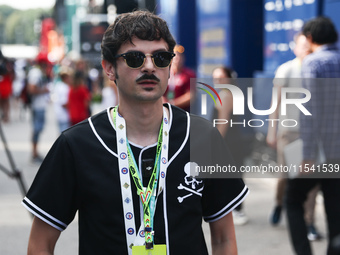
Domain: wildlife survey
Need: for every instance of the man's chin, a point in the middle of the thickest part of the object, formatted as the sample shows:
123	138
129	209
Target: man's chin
148	89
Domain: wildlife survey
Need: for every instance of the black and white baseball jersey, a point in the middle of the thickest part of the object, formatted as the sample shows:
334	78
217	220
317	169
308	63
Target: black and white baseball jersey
80	173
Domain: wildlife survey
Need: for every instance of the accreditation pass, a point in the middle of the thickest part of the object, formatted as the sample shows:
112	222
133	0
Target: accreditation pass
158	249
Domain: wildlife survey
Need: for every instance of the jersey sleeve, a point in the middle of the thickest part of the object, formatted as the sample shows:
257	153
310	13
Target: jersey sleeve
221	196
225	191
52	196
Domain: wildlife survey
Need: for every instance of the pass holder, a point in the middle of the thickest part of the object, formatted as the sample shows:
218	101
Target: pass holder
158	249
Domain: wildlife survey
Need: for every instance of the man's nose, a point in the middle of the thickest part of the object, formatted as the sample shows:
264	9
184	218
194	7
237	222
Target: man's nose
148	64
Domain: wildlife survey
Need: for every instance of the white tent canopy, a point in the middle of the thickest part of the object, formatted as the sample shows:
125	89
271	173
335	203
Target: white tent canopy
19	51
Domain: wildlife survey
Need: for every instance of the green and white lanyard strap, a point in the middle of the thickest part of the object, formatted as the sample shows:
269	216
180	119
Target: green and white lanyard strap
127	166
147	195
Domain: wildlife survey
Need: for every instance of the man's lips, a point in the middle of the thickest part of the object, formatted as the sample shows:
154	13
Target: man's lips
147	82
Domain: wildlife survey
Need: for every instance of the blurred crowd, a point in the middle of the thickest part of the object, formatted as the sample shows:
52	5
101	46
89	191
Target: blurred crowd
62	79
74	87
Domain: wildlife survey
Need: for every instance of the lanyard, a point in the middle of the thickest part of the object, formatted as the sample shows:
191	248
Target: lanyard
127	166
146	194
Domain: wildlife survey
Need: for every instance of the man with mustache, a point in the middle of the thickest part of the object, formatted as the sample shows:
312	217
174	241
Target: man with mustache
126	170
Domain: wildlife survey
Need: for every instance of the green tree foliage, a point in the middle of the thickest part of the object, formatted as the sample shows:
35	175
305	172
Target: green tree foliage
20	26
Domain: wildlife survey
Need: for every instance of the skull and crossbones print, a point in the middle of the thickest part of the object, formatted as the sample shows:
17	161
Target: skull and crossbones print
191	184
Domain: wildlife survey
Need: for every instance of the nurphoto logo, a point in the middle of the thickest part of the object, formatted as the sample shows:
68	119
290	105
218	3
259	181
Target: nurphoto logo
204	97
239	104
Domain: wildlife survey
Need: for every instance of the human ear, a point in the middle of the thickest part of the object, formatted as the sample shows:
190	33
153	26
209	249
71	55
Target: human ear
109	70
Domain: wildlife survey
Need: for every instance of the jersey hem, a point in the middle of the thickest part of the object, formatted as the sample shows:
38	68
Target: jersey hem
229	207
44	216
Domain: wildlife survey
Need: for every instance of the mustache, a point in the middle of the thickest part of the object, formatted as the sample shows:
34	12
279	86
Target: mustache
148	77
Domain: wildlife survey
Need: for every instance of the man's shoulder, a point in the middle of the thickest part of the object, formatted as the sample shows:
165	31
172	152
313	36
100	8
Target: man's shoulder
322	63
95	122
176	111
198	121
285	69
327	53
195	120
61	86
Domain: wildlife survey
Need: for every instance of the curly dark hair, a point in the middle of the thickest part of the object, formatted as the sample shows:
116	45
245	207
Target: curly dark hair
142	24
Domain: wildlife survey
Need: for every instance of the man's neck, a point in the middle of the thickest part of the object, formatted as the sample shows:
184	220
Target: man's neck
142	122
315	46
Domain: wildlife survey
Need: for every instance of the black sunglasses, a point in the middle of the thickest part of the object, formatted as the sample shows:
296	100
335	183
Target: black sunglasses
136	59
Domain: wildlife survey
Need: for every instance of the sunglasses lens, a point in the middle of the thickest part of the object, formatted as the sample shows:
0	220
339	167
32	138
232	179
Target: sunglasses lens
134	59
162	59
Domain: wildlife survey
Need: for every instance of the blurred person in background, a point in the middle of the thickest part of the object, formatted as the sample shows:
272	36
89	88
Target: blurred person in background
81	65
96	90
289	75
78	99
37	87
231	134
25	96
6	79
60	97
319	132
109	93
178	91
20	77
19	85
